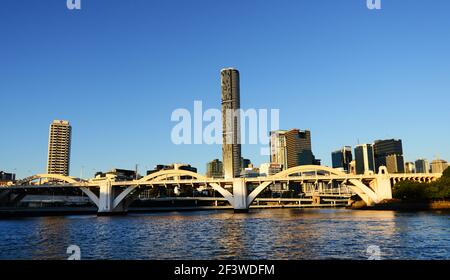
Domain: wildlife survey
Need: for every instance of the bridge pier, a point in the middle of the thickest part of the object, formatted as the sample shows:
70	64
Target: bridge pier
240	196
106	199
383	187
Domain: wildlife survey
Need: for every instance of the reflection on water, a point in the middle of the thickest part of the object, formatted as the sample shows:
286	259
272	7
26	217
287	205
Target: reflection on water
261	234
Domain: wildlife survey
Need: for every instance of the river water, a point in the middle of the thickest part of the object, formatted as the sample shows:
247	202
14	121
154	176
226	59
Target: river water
261	234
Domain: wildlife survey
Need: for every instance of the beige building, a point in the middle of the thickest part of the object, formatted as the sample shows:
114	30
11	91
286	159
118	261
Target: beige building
352	167
231	147
410	167
395	164
269	169
59	148
438	166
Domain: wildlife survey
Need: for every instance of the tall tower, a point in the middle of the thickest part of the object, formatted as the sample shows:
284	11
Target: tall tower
231	146
59	148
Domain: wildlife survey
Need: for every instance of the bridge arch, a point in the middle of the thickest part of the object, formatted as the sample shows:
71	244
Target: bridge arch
175	174
63	178
366	193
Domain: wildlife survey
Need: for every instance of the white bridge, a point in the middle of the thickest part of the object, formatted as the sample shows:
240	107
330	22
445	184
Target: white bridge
112	197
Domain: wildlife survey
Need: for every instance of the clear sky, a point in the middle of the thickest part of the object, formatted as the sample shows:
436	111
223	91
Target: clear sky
117	69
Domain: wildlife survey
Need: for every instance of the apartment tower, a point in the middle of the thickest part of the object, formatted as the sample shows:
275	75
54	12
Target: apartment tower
59	148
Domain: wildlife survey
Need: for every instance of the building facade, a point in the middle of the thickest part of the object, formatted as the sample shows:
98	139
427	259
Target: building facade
410	167
116	175
214	169
231	147
291	148
364	159
6	178
174	166
250	172
422	166
59	148
438	166
385	148
245	163
269	169
395	164
342	158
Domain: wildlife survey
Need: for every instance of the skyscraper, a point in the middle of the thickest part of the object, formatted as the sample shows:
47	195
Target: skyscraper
59	148
342	158
383	149
231	147
364	158
422	166
291	148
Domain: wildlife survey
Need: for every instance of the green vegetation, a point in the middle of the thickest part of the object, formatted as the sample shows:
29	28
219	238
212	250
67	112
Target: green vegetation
413	191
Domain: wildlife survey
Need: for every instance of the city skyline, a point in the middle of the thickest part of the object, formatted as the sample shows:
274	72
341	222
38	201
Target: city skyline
335	89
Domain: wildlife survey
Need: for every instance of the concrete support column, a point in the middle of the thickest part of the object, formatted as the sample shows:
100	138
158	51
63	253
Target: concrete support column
240	196
383	187
106	201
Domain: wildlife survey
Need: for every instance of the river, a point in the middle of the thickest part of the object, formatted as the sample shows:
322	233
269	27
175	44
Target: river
222	235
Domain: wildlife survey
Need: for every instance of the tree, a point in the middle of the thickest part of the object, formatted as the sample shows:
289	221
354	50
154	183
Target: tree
446	173
410	191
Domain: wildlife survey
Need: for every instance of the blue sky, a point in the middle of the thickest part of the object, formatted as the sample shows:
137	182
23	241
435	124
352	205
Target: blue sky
117	69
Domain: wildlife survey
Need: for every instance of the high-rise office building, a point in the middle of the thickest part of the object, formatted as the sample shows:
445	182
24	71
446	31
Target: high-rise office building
342	158
365	161
383	149
422	166
59	148
291	148
410	167
214	169
395	164
438	166
231	147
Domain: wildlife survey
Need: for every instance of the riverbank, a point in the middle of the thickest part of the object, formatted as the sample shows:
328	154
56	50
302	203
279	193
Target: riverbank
399	205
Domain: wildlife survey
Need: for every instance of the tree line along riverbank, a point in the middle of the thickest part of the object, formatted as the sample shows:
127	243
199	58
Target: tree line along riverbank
409	195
